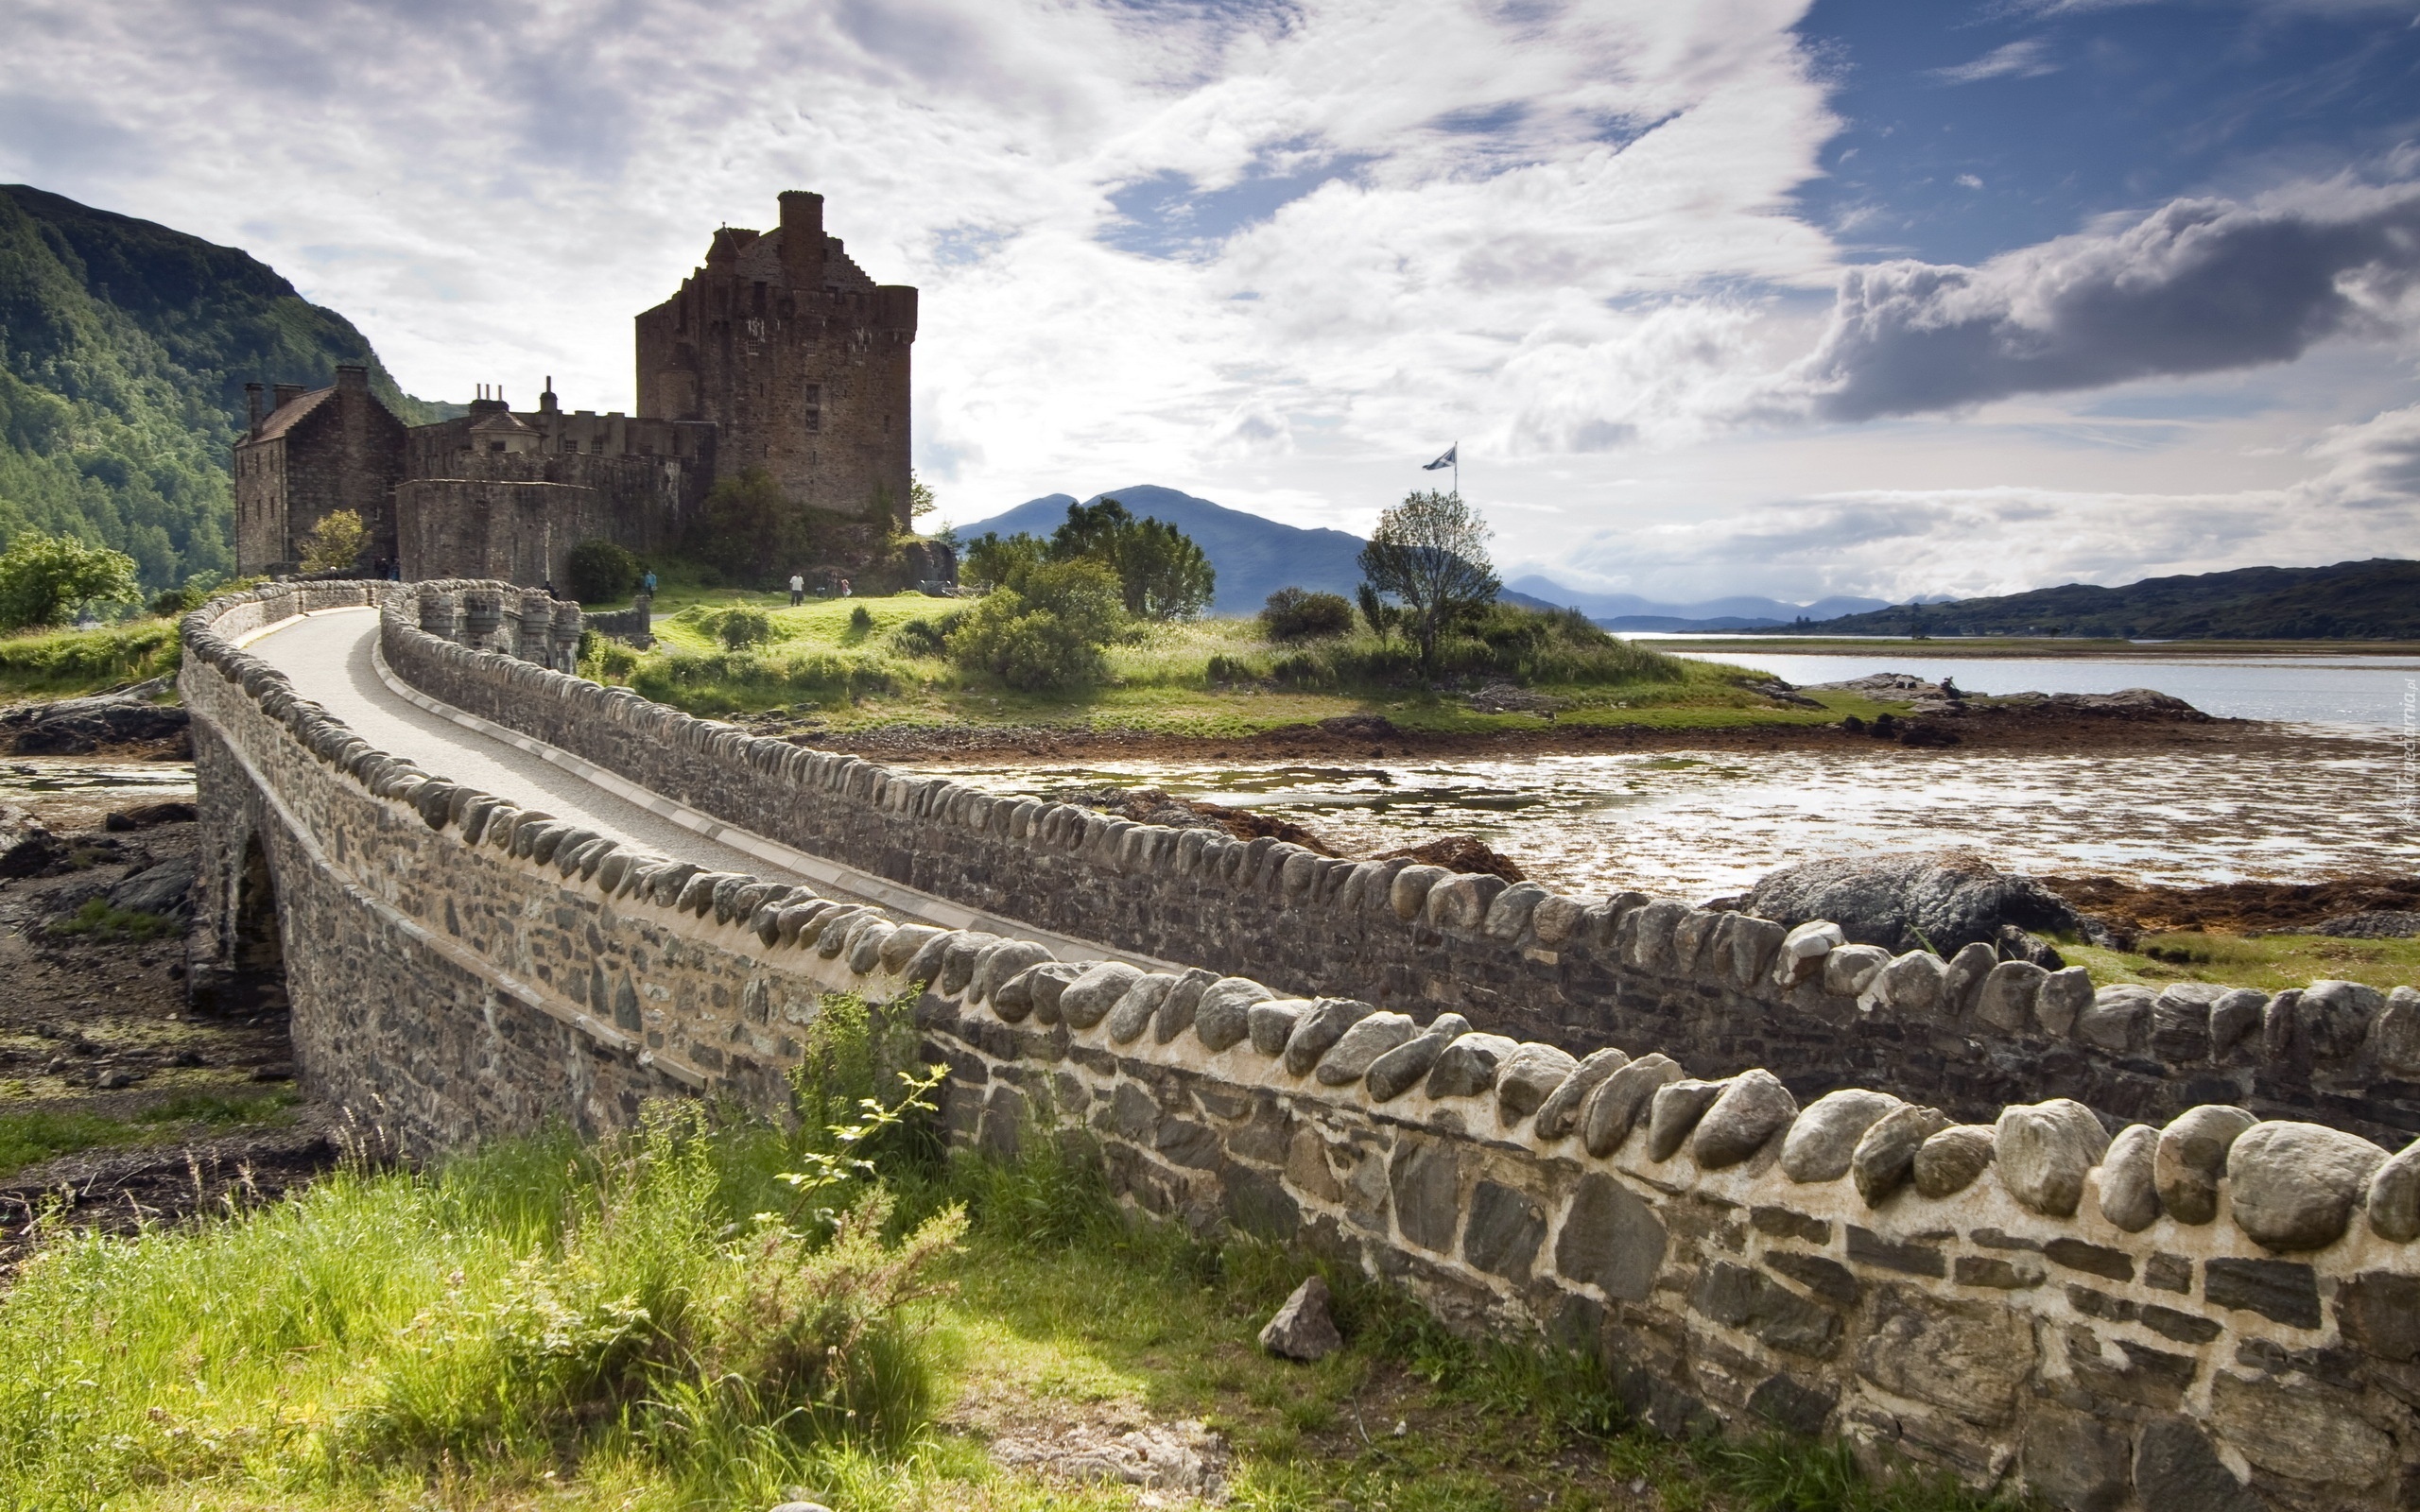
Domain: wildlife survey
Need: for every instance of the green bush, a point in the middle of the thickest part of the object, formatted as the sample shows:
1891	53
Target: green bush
1053	633
923	637
45	579
73	662
743	626
1300	614
861	620
173	603
599	571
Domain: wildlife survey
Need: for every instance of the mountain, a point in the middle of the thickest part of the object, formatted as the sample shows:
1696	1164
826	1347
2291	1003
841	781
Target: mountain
2378	599
1628	611
123	350
1254	557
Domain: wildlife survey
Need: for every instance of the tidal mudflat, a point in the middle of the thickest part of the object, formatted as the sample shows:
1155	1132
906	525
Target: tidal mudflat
2298	806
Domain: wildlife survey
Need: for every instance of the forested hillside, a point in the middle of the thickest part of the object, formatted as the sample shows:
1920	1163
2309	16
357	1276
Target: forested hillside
2375	600
123	350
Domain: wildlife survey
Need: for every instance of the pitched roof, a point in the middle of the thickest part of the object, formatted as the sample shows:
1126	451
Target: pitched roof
503	419
287	416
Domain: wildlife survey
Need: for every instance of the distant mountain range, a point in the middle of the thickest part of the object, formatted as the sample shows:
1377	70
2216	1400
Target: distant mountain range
1628	611
123	350
1254	556
2378	599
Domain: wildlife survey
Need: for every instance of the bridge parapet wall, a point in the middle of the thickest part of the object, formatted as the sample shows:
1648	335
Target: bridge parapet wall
1718	991
2221	1314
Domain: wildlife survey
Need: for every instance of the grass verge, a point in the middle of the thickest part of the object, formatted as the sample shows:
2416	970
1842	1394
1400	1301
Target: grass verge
2271	963
712	1313
67	664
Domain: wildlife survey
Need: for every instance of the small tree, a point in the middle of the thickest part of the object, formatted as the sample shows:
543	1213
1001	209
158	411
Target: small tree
1429	554
1162	574
920	497
1000	562
1050	631
45	579
335	544
598	570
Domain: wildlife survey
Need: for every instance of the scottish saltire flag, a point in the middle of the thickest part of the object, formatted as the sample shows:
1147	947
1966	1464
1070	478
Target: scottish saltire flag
1446	460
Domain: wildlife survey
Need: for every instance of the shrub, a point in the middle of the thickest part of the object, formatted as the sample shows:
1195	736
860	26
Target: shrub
923	637
861	620
172	603
743	626
599	571
45	579
73	662
1050	634
335	545
1300	614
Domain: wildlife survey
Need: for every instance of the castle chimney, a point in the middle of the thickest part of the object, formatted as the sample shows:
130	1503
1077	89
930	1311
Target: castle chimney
546	399
352	378
285	394
802	239
252	406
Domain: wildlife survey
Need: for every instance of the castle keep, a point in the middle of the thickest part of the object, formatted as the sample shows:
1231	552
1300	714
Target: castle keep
779	354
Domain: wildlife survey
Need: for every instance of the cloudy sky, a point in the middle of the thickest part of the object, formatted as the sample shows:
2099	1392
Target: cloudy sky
1882	296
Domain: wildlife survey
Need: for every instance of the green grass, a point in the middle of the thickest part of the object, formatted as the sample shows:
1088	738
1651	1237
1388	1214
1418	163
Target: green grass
626	1325
30	1138
98	920
65	663
817	662
27	1138
2269	962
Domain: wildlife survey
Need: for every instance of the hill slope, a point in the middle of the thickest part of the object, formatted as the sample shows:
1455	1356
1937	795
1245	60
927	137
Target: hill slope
1254	556
2378	599
123	350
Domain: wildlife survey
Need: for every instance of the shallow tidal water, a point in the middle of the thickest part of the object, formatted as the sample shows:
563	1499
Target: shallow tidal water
1701	825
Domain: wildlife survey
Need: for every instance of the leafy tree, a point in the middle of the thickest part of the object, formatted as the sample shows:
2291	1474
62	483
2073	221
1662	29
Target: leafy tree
335	544
1001	561
1162	574
1429	554
1050	631
1380	614
43	579
1299	614
920	497
600	570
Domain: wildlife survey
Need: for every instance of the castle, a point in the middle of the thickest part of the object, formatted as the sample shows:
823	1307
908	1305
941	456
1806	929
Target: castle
778	354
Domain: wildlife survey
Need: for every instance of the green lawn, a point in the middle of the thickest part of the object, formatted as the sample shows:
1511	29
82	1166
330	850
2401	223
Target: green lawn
65	663
820	663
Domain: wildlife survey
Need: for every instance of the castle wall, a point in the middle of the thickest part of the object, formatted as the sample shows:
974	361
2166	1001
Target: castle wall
516	531
345	452
1718	992
650	477
2153	1322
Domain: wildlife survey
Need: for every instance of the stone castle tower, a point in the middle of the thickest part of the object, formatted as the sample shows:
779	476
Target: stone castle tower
798	358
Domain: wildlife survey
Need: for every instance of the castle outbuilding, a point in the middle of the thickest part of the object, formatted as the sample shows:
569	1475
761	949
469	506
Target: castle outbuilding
779	354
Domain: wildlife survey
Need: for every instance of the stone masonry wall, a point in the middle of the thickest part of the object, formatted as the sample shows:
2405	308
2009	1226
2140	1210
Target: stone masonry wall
1718	991
2223	1314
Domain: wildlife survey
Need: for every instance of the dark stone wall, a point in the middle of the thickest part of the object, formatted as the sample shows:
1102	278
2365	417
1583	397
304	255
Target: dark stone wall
1699	986
346	452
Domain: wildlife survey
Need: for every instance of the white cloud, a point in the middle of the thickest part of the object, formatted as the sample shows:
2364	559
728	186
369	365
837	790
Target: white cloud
2023	58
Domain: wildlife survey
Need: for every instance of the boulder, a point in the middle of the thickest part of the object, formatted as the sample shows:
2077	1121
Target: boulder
1224	1016
2293	1186
1560	1113
1614	1108
1270	1024
1360	1046
2129	1198
1302	1330
2190	1158
1321	1030
1133	1011
1528	1077
1885	1155
161	890
1824	1136
2005	1001
1849	969
1754	1107
1947	1163
28	849
1468	1067
1964	977
1089	997
1932	901
1909	986
2046	1150
71	727
1801	951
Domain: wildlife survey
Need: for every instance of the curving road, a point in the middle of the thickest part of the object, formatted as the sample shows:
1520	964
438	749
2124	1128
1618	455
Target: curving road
327	655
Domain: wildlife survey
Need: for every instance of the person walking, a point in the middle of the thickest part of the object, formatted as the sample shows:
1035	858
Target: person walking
798	588
647	582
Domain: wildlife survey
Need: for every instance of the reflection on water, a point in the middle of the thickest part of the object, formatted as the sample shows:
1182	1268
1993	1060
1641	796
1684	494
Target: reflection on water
1698	826
72	792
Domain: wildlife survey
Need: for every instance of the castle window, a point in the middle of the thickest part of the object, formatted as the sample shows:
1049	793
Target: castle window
815	406
496	446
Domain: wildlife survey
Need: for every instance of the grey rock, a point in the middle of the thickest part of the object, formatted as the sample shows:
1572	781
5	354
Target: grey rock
1885	1155
2394	1044
2177	1470
2005	1001
2065	997
1964	977
1823	1138
1303	1329
997	963
1801	953
1360	1046
1754	1107
1460	903
1468	1066
2129	1195
1611	1240
161	890
959	950
1509	914
2293	1186
1673	1114
1555	919
904	946
1321	1030
1050	982
1909	902
1134	1012
1177	1009
1908	986
1089	998
2118	1018
1505	1229
1949	1162
1648	933
2191	1156
865	949
1408	893
1397	1071
1751	943
2045	1150
1270	1024
2337	1016
1224	1016
2394	1198
2236	1017
1425	1178
1847	970
1616	1106
1739	1298
1560	1113
1528	1077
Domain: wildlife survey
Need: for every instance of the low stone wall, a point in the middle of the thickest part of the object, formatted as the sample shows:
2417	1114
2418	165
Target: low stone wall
1718	992
2222	1313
